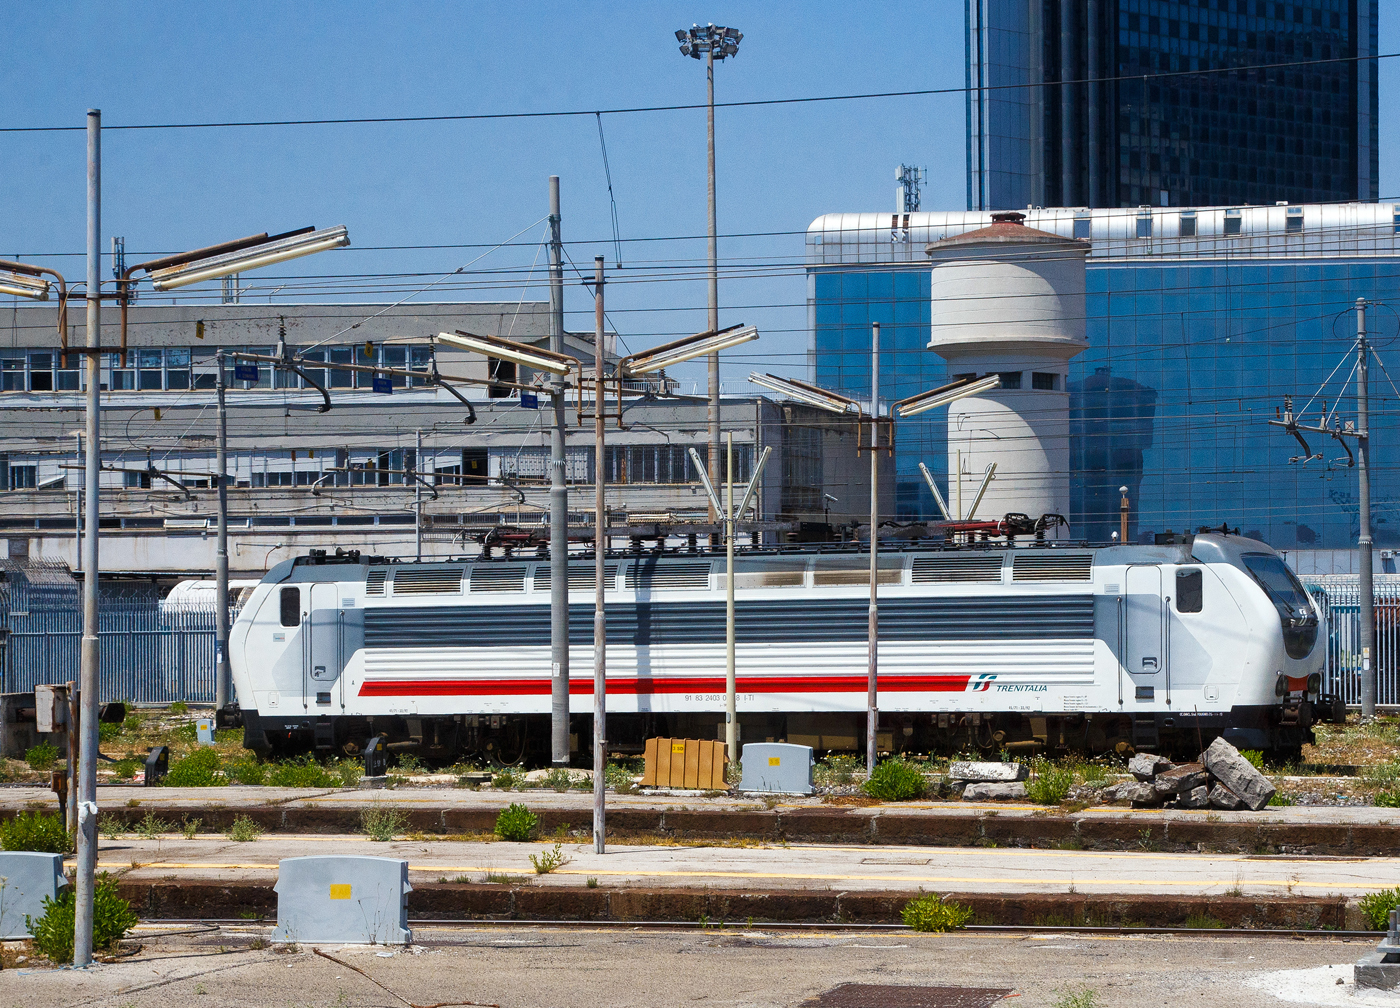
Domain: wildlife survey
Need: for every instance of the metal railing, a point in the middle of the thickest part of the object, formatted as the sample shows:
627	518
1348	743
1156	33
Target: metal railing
1339	600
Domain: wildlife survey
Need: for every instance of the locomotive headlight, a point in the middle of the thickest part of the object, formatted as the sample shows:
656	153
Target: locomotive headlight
1281	686
1314	683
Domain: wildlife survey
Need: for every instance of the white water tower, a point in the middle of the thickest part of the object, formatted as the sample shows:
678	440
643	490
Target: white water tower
1009	300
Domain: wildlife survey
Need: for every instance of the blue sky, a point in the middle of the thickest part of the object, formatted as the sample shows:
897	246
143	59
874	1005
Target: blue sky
482	182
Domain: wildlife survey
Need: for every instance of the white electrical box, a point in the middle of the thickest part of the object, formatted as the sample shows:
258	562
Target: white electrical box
343	898
778	767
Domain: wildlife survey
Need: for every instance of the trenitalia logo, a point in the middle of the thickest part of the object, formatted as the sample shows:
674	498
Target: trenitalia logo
982	683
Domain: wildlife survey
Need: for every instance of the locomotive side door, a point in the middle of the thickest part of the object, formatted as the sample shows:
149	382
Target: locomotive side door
325	656
1144	629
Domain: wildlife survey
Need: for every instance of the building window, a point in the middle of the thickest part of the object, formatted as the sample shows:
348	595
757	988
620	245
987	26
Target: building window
1045	381
1233	222
502	371
1010	379
136	480
1083	227
24	477
1144	226
1395	219
1293	222
1188	225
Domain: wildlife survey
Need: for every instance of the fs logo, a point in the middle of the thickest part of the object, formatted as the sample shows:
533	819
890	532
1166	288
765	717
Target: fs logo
982	683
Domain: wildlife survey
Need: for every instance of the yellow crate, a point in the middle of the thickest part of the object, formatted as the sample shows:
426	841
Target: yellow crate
685	763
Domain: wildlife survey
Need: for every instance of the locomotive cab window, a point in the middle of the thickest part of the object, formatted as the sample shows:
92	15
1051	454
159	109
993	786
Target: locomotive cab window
291	606
1189	591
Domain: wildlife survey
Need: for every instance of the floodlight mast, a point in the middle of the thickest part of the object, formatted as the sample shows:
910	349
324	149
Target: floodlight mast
26	282
711	43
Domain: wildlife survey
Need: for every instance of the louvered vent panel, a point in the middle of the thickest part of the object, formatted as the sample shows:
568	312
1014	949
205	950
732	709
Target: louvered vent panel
374	582
436	580
580	577
985	569
669	576
498	579
1053	567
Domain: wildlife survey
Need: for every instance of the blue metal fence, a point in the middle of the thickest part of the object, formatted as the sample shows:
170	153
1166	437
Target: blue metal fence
150	651
1339	600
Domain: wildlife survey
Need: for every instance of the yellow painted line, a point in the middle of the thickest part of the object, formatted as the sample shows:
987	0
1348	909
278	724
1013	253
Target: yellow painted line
1194	883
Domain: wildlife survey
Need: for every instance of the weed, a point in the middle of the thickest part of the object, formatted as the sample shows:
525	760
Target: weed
42	757
35	831
244	830
259	943
110	827
190	827
1280	798
516	822
592	883
1092	773
507	779
381	824
291	948
408	764
150	826
304	772
462	879
550	861
53	930
895	780
504	879
348	772
558	779
1051	783
931	913
124	769
1387	799
1070	843
179	707
1236	889
770	802
106	732
1145	841
199	988
1204	921
199	769
617	775
1377	906
246	771
839	770
1077	996
1383	775
1255	757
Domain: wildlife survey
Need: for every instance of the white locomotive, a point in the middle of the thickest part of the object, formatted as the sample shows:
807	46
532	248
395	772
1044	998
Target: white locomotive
1037	648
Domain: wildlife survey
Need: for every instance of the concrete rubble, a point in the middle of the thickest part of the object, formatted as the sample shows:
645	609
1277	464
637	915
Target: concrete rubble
998	772
987	790
1221	778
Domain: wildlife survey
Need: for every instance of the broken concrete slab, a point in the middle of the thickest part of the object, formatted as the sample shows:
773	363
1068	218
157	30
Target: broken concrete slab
988	790
1000	772
1140	793
1197	797
1237	774
1146	766
1222	797
1181	779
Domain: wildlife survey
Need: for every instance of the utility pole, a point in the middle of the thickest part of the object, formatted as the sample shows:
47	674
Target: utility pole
418	495
713	288
731	712
1363	465
600	542
223	675
872	710
88	671
558	502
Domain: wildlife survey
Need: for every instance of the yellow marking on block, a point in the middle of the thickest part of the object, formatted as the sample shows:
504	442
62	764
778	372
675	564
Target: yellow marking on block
340	890
678	747
775	761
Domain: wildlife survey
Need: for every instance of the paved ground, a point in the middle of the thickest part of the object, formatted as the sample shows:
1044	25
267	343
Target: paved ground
584	967
420	798
863	867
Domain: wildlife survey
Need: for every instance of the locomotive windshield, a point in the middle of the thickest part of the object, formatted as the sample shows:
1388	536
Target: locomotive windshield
1290	598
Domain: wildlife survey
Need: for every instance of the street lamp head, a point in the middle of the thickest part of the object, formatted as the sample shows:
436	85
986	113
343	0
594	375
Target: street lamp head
945	394
714	39
811	395
239	256
688	348
504	349
20	284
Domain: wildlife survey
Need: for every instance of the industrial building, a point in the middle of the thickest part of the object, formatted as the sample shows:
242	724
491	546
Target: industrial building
1197	321
421	470
1123	103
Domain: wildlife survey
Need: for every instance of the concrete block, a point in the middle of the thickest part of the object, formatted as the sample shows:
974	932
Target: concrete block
1374	972
1197	797
777	767
988	790
1145	766
1132	791
26	879
1234	771
1181	779
1222	797
998	772
343	899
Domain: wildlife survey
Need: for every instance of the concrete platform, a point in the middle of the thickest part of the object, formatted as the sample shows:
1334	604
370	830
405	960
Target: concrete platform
1347	831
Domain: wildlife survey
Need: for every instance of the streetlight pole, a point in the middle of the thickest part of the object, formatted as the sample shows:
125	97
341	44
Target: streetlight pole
731	712
872	710
1363	472
600	541
223	674
710	43
558	503
88	670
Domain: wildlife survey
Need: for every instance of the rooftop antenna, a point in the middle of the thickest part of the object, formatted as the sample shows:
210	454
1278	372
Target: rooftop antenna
910	179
